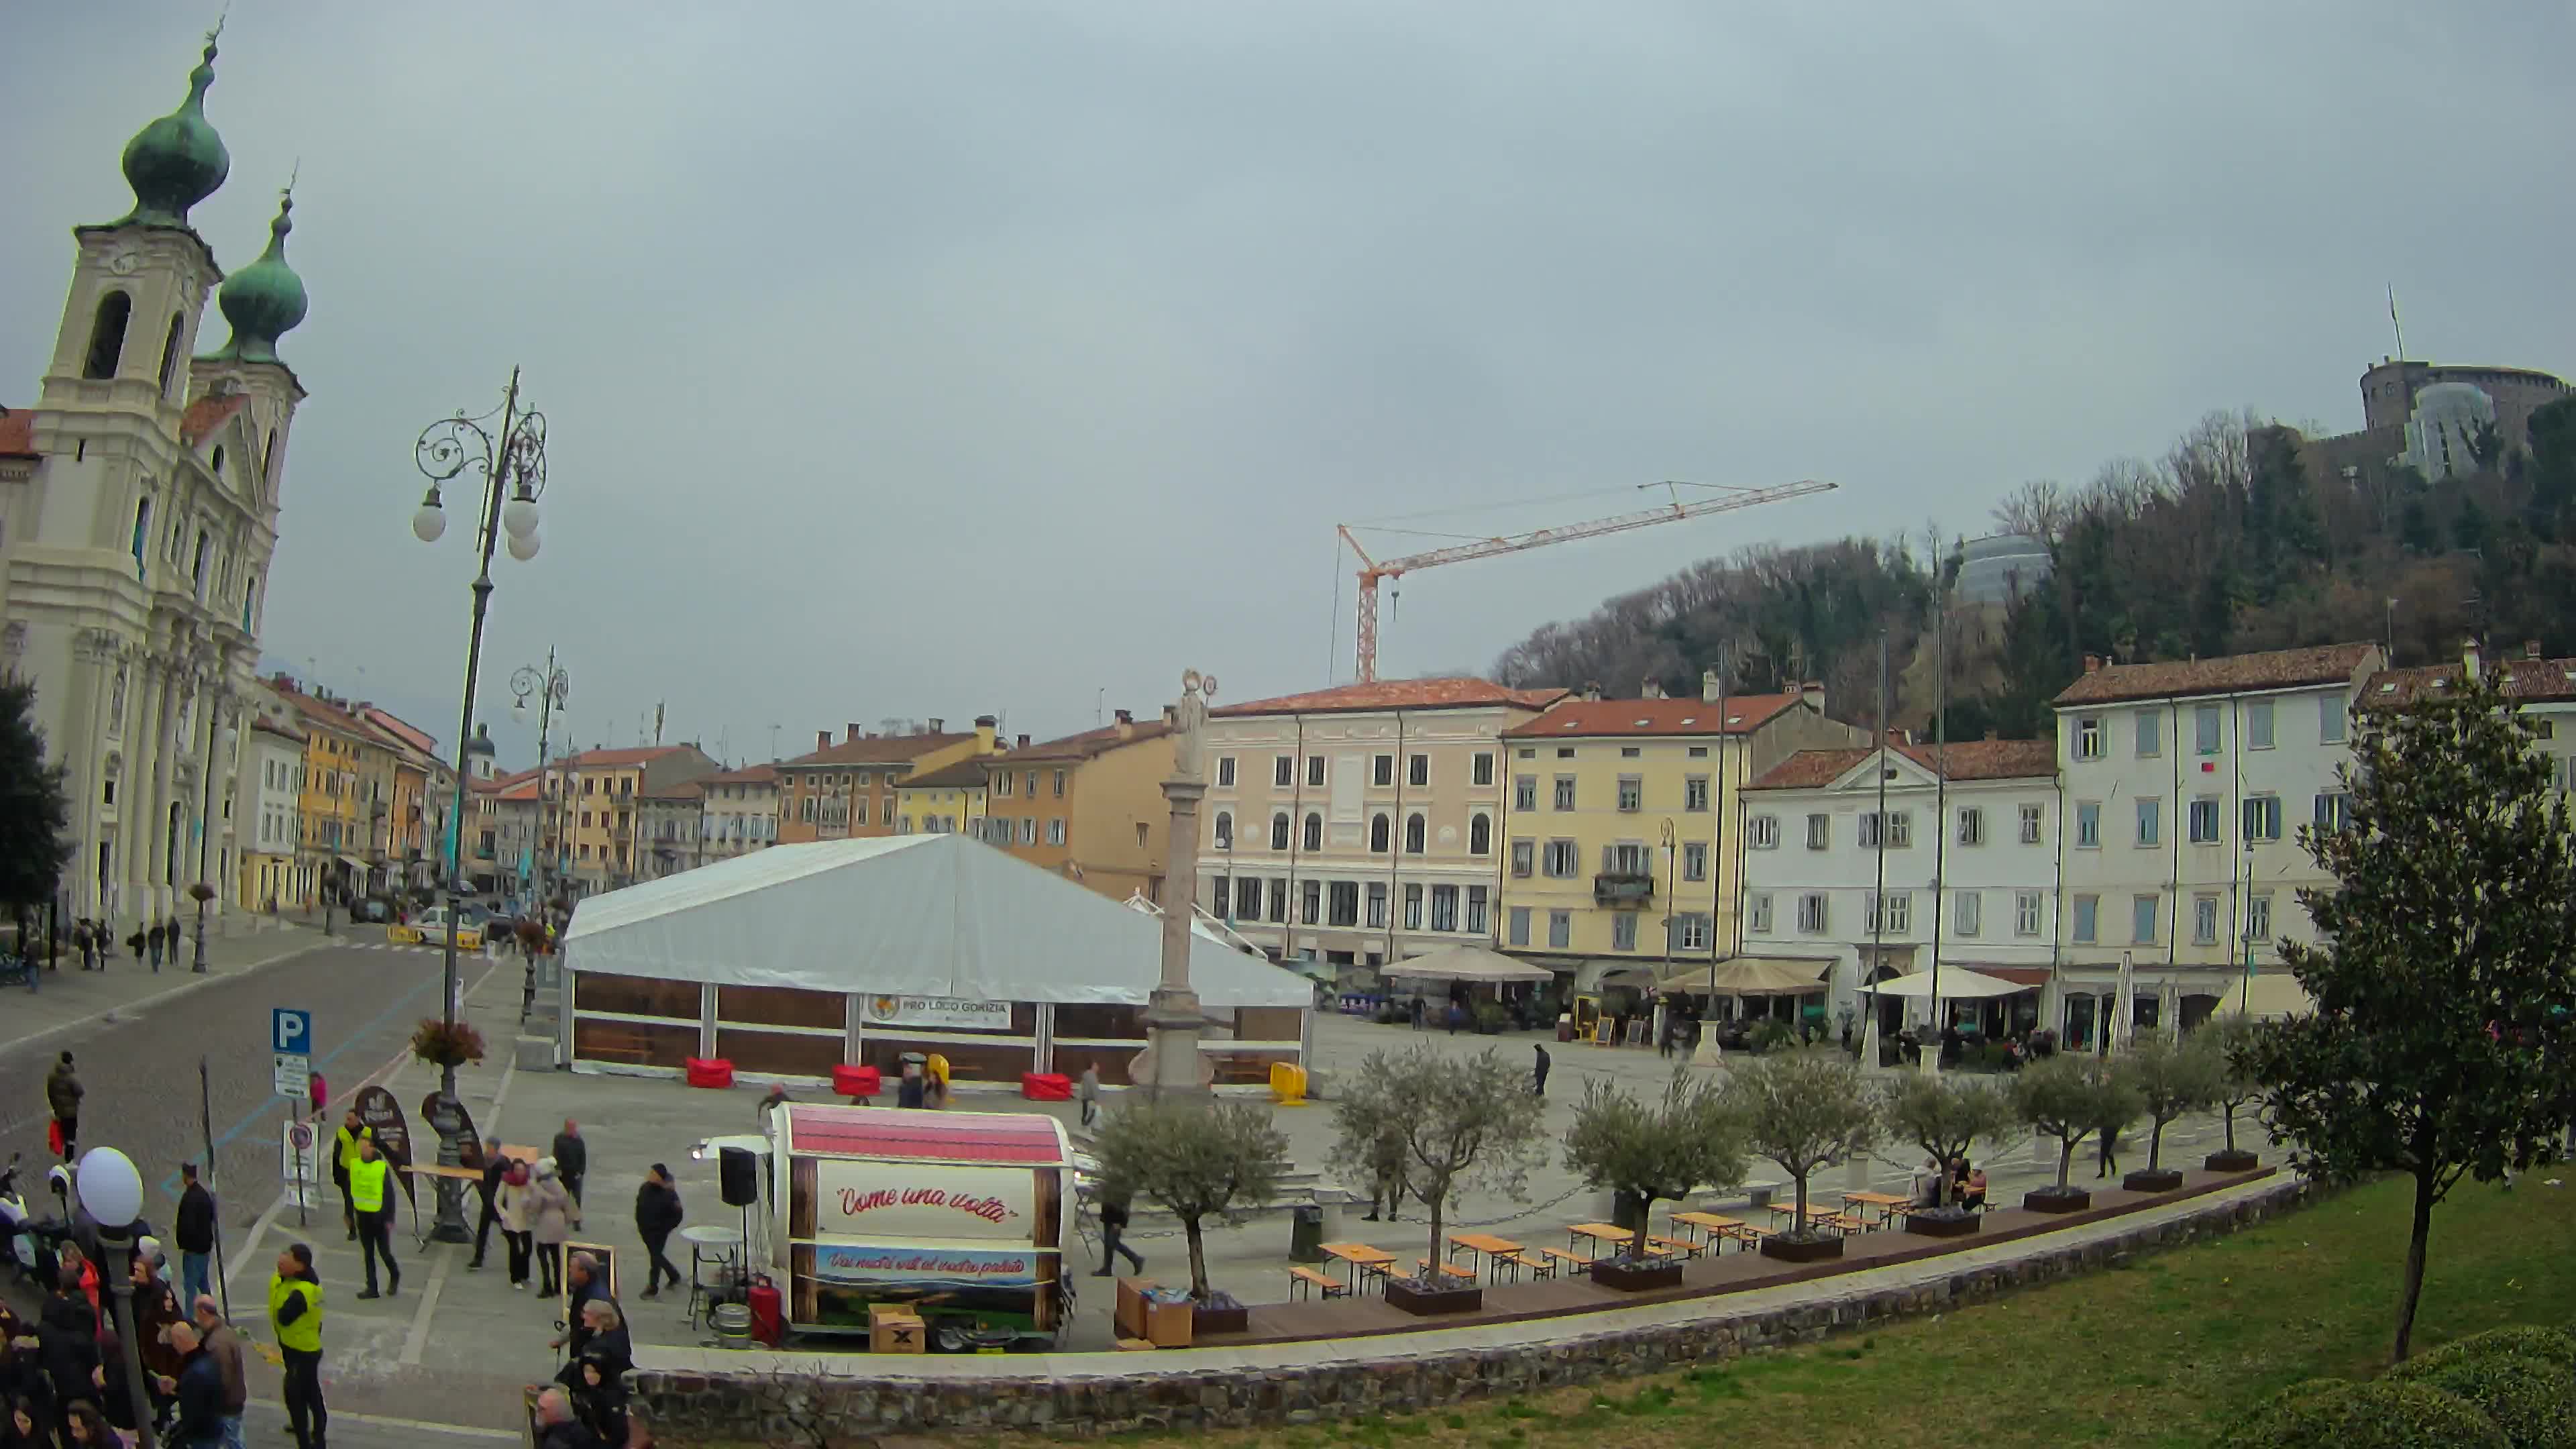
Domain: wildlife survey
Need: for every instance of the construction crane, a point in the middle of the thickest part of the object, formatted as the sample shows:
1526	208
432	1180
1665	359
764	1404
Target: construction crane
1372	571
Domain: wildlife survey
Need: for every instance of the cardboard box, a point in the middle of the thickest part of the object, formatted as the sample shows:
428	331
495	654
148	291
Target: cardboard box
896	1329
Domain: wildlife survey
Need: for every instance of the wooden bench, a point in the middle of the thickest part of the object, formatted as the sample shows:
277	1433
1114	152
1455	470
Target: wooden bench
1675	1246
1313	1283
1424	1268
1563	1259
1538	1267
1846	1223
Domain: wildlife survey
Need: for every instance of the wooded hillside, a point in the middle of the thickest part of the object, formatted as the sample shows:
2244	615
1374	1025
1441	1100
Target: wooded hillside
2239	538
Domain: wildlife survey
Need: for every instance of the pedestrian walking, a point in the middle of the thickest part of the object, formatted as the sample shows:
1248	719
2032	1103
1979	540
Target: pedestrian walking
511	1199
557	1428
224	1342
171	938
85	941
63	1099
1538	1070
295	1321
2110	1153
1087	1091
344	1153
318	1093
494	1164
195	1232
551	1216
600	1400
1113	1228
1386	1177
159	940
572	1157
198	1387
374	1209
67	1344
134	943
657	1216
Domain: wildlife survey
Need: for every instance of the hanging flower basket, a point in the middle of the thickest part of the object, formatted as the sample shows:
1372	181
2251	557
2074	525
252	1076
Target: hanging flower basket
446	1044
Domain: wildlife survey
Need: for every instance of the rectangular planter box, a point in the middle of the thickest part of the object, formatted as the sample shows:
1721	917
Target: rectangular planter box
1637	1277
2237	1161
2057	1200
1795	1250
1226	1317
1426	1302
1926	1225
2162	1179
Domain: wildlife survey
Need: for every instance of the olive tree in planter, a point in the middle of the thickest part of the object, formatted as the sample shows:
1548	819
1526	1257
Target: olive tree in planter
1652	1152
1802	1112
2169	1079
2068	1098
1200	1160
1454	1123
1945	1116
2227	1040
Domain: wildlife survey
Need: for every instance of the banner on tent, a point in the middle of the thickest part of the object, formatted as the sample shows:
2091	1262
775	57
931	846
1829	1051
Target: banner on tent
937	1013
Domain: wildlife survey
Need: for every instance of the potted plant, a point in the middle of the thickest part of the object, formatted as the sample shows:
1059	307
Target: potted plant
1945	1116
1803	1112
1425	1125
446	1043
2067	1098
1650	1152
2170	1079
2233	1087
1199	1159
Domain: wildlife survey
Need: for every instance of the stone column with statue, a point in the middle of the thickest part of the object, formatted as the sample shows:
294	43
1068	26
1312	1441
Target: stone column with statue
1171	1062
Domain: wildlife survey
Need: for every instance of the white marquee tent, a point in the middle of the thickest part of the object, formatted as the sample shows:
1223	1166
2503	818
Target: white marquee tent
1958	983
904	915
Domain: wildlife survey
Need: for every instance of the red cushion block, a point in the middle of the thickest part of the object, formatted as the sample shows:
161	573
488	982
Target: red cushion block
1046	1086
850	1081
710	1072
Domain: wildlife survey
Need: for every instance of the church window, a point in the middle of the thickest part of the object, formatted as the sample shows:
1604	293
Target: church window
268	459
170	349
107	335
216	466
142	530
197	570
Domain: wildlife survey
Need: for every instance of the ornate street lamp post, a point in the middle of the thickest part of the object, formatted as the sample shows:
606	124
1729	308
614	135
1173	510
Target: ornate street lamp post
111	1192
551	687
513	464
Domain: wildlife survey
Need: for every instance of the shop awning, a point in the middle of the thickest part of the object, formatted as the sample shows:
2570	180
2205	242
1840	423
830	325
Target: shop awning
1465	963
352	862
2018	975
1750	976
1958	983
2275	994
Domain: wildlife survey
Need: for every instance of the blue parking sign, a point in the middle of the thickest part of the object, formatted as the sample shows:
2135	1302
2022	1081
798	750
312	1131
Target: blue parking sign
290	1030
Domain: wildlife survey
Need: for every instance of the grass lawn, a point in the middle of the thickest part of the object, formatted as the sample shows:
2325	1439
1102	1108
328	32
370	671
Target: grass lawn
2161	1353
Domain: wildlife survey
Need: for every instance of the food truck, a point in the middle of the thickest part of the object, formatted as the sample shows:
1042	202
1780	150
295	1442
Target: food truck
957	1216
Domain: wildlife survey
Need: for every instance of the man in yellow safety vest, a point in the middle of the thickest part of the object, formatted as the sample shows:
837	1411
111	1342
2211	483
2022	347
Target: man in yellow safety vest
368	1178
295	1316
344	1151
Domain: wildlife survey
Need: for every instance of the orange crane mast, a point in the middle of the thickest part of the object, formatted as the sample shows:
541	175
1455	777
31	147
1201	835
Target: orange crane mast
1373	571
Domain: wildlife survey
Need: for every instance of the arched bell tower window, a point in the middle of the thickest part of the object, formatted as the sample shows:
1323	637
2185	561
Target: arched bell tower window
170	350
216	465
107	335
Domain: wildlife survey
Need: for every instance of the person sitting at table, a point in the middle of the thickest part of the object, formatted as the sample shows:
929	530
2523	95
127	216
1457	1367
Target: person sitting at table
1975	1190
1927	1183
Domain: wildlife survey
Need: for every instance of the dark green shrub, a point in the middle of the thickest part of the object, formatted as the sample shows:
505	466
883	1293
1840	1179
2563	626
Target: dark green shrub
2520	1340
2381	1415
2533	1401
1771	1035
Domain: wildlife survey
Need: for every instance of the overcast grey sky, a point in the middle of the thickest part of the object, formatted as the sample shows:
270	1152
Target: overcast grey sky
935	359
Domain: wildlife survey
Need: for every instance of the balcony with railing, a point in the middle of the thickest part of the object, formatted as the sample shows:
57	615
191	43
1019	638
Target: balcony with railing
1623	888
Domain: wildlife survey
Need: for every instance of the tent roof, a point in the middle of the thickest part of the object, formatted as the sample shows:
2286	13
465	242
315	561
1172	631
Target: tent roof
913	915
1958	983
1465	963
2275	994
1751	976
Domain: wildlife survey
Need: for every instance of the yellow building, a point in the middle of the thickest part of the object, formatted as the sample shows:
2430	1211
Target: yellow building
1620	824
847	791
949	800
595	801
1089	807
331	808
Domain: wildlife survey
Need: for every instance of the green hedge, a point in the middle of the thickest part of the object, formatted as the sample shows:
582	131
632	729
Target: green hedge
2532	1400
2520	1340
2381	1415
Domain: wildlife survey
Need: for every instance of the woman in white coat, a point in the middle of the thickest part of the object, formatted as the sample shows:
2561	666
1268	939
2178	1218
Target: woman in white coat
552	1215
510	1205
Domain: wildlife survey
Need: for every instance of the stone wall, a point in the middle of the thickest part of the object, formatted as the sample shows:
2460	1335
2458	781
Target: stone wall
1129	1392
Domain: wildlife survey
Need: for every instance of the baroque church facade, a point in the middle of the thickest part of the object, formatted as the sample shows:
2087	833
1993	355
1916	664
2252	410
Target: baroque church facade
139	504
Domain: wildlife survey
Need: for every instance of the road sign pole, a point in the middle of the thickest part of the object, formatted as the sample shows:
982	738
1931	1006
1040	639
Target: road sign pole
206	1128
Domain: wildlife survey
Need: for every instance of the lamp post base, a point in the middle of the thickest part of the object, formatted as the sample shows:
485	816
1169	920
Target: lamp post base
449	1226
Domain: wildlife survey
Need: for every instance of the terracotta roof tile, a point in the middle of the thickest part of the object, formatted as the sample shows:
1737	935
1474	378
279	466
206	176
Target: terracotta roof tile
207	414
747	775
882	750
685	790
17	433
2227	674
1586	718
521	789
330	716
1084	746
1966	760
273	727
2534	680
964	775
610	759
1454	693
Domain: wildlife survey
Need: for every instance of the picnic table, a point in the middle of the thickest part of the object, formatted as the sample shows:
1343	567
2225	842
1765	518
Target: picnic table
1711	1226
1366	1262
1889	1205
1592	1235
1485	1243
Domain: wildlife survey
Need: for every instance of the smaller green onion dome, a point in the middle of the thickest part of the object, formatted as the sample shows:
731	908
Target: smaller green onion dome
264	300
178	160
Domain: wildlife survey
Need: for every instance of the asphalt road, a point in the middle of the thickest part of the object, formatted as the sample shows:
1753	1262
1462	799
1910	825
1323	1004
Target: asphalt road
140	1073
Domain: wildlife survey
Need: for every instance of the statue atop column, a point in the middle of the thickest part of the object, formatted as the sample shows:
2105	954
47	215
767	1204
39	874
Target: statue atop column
1189	728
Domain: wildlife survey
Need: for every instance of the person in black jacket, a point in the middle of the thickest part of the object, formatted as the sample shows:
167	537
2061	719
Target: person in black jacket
599	1401
657	1216
196	1234
557	1427
494	1165
199	1389
67	1338
572	1157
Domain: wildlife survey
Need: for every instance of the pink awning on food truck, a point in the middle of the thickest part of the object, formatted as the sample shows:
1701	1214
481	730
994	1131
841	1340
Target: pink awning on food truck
999	1138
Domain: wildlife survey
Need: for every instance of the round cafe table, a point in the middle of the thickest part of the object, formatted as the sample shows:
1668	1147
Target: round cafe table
711	1245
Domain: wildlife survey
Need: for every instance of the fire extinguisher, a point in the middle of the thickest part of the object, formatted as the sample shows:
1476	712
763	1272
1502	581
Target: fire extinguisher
768	1312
